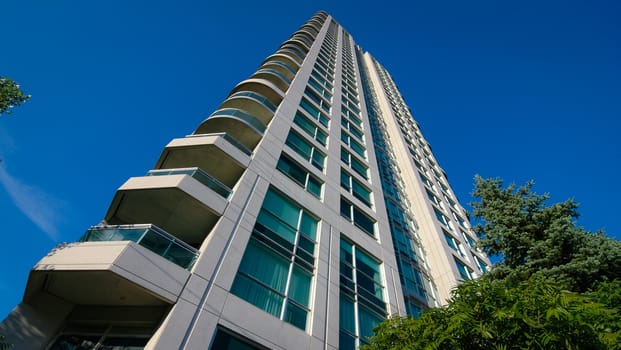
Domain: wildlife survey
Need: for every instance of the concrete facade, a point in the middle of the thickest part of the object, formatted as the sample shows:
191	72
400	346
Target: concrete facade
320	131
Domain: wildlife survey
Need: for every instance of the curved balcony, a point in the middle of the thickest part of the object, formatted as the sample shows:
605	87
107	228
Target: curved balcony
251	102
291	54
186	204
310	29
257	97
281	67
242	126
295	45
304	36
263	87
318	18
315	24
273	76
218	154
302	39
280	57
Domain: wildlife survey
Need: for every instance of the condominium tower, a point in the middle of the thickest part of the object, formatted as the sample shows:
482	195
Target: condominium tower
303	211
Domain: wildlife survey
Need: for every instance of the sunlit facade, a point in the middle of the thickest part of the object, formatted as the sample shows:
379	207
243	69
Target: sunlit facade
303	211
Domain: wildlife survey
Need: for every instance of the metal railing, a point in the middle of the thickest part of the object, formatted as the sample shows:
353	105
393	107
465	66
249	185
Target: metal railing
199	175
227	137
149	236
238	113
257	97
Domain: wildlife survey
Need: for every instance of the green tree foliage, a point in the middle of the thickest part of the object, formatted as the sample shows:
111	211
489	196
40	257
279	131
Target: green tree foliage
530	237
534	314
556	286
10	95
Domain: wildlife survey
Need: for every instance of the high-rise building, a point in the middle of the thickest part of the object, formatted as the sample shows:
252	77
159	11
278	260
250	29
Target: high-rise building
303	211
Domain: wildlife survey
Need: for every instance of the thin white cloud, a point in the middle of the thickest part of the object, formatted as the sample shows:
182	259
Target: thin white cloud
41	208
7	144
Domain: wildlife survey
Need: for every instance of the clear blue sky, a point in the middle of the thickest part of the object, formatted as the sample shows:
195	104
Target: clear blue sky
513	89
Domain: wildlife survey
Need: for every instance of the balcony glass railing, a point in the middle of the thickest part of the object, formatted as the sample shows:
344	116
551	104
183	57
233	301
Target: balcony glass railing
257	97
279	63
278	74
229	138
246	117
296	55
149	236
199	175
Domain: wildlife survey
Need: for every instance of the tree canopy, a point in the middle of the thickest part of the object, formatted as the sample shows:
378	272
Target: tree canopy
535	314
555	286
515	224
10	95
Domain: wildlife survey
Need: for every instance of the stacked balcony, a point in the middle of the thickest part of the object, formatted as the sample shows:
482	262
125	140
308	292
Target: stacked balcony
188	190
137	262
127	272
143	253
252	104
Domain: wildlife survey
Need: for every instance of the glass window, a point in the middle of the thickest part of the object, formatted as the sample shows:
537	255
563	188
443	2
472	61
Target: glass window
356	188
305	149
351	98
300	175
464	271
321	80
451	202
323	104
450	240
314	112
440	216
352	107
324	92
361	301
482	266
353	130
225	340
354	163
351	116
356	216
469	239
459	219
353	144
454	243
426	181
310	128
276	270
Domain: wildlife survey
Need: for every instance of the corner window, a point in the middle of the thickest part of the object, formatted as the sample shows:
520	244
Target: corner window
276	270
